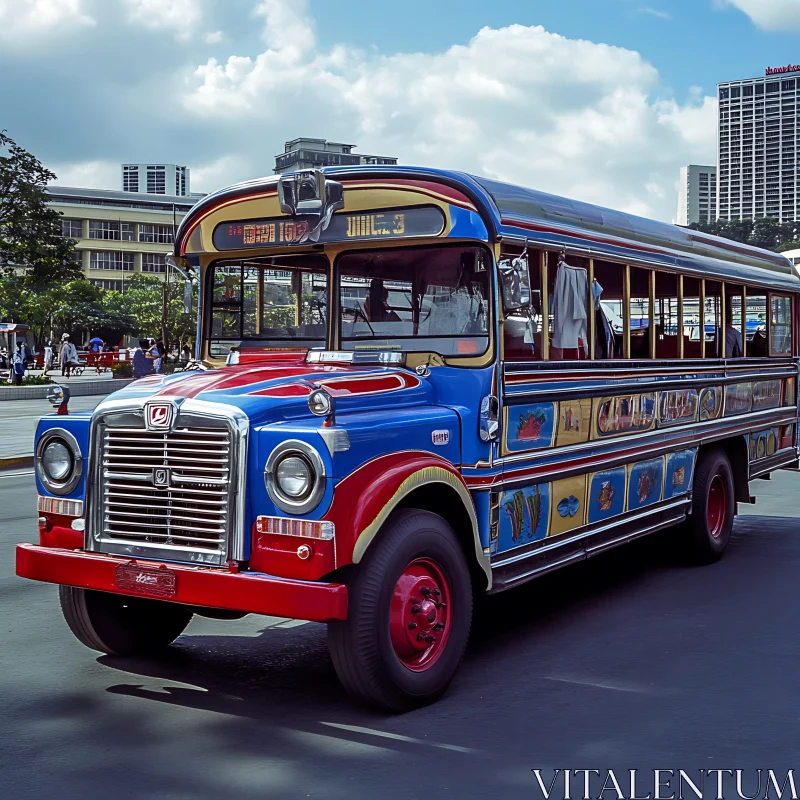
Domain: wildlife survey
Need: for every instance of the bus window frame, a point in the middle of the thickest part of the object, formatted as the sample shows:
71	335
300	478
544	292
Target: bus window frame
747	289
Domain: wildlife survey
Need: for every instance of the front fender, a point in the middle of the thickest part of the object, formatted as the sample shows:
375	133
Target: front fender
363	501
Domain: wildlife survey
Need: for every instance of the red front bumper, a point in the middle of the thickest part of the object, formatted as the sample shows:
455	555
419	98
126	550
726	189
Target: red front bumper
195	586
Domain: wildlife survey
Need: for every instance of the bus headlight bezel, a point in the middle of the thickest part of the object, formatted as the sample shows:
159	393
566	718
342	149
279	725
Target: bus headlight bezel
312	495
67	483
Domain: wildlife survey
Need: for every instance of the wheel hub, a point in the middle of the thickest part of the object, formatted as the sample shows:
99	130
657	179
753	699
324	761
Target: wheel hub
717	506
419	619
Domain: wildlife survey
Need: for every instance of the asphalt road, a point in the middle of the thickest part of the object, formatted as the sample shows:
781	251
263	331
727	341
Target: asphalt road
632	660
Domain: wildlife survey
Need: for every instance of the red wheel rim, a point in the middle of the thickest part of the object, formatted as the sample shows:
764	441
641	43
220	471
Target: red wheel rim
420	614
717	506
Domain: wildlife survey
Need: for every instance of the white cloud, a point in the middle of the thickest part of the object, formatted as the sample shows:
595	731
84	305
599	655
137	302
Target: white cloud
182	16
773	15
25	22
517	103
653	12
88	174
214	37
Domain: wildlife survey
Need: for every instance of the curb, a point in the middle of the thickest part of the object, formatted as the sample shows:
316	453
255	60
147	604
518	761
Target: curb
84	389
16	461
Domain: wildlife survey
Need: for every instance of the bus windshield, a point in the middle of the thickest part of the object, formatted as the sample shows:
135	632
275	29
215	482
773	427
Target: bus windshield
279	302
412	299
426	299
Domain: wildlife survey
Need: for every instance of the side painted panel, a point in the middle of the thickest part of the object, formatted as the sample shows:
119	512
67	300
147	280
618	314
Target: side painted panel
763	443
738	398
633	412
645	481
606	494
530	426
677	406
710	403
523	516
680	472
568	504
766	394
574	422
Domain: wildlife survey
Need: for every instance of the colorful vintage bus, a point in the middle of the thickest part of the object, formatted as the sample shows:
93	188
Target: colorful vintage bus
419	386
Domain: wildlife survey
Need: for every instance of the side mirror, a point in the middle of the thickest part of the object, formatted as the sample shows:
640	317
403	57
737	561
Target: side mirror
515	283
488	419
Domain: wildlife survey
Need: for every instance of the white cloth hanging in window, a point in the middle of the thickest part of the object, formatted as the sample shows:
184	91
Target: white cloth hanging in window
570	296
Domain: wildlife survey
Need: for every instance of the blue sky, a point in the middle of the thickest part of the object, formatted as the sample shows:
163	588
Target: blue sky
601	100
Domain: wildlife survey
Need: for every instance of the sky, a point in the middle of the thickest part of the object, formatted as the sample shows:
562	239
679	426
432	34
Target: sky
600	100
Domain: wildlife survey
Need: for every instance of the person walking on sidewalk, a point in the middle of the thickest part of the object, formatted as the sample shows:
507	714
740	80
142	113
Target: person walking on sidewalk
48	356
68	355
142	365
18	366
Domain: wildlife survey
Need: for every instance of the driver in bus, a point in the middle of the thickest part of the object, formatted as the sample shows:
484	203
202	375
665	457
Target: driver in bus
376	306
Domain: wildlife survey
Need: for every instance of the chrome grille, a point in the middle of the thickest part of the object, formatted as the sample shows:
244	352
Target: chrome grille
189	514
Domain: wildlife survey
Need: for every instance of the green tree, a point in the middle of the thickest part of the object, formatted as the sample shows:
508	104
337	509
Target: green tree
143	301
30	231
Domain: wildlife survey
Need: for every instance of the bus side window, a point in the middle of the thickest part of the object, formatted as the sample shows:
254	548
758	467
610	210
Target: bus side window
608	294
640	313
522	331
712	319
734	338
569	309
666	315
780	325
756	325
692	322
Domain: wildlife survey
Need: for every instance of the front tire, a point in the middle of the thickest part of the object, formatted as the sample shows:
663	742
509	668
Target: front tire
409	615
708	528
120	625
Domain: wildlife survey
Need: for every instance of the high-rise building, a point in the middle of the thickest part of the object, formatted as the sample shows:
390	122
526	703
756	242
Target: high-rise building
697	195
316	153
156	179
757	163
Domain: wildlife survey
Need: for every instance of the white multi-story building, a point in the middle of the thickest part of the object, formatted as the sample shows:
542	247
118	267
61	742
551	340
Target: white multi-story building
697	195
167	179
307	153
757	163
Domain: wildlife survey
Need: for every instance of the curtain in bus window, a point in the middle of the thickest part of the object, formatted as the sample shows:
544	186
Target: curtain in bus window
604	336
570	294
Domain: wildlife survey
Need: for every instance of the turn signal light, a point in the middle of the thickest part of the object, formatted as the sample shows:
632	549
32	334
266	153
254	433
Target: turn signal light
57	505
308	529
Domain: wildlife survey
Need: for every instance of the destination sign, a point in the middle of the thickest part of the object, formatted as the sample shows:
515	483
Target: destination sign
392	224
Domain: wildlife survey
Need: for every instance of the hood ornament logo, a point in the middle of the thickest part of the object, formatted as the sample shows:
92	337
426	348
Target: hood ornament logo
159	416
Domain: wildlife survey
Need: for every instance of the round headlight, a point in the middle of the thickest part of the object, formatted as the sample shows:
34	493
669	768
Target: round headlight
57	460
59	464
293	476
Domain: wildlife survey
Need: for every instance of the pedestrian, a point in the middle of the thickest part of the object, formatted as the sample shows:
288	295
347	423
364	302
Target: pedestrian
186	354
142	365
154	356
96	345
68	355
48	356
18	366
162	354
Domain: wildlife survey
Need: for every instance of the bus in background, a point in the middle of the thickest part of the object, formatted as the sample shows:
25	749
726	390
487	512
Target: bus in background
442	386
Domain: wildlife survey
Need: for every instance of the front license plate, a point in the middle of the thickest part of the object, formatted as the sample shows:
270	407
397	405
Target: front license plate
151	581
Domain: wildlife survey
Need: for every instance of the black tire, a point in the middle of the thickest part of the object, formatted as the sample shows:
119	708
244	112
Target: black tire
366	661
706	534
119	625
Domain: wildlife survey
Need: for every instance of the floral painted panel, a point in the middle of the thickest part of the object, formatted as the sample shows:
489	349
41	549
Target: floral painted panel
523	515
606	494
644	483
680	472
530	426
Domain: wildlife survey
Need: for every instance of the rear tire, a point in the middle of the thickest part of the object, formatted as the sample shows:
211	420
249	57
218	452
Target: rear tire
120	625
708	528
409	615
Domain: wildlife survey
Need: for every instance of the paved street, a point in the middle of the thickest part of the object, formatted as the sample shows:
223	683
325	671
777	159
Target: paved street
18	420
630	660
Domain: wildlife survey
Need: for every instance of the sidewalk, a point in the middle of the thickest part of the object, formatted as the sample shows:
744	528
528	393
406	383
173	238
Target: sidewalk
90	383
18	422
